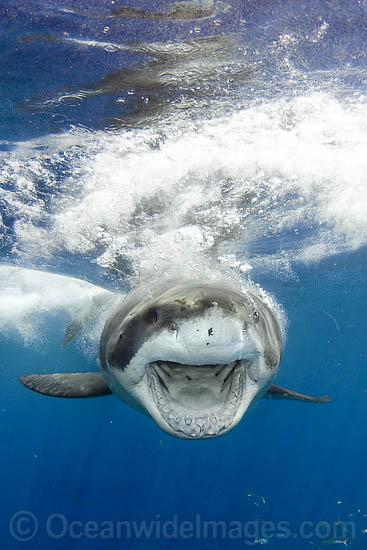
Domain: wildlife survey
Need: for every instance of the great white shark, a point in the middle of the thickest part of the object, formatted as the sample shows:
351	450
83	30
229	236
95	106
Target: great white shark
193	355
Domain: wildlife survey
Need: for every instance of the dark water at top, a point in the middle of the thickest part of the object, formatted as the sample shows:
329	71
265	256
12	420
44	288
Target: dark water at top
156	138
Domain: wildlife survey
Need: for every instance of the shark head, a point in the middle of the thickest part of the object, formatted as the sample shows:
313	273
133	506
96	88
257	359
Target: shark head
194	355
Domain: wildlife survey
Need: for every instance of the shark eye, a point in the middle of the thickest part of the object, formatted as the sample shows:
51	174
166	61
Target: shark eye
173	328
255	316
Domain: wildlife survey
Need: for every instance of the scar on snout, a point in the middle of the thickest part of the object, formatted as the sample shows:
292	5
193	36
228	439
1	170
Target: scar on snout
181	301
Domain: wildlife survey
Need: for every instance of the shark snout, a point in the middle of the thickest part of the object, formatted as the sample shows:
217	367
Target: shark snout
210	334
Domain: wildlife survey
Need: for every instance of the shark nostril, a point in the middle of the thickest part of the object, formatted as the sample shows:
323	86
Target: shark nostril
188	377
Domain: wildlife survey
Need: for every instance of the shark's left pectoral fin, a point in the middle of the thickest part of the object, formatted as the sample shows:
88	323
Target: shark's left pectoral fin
277	392
76	384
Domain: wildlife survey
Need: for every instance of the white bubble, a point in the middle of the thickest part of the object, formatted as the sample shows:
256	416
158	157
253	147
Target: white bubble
245	268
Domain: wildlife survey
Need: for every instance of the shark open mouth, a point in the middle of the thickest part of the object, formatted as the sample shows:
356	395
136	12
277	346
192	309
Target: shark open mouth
198	401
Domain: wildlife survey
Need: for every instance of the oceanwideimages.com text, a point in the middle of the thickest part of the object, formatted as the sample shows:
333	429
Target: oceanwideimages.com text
25	526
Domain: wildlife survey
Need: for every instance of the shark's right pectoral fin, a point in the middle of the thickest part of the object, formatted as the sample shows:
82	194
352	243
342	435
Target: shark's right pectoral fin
74	328
277	392
90	309
76	384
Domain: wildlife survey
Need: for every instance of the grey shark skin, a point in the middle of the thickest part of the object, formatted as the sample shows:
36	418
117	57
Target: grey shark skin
193	355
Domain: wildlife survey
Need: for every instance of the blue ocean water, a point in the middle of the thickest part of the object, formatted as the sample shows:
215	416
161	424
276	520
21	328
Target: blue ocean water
154	138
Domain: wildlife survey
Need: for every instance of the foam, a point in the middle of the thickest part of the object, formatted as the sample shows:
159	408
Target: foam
288	166
30	298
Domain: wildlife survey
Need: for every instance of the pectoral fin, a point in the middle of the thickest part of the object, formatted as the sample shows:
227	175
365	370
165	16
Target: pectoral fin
90	309
277	392
76	384
74	328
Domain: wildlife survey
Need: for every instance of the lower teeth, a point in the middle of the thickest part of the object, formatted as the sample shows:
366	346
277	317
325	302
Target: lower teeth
203	425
